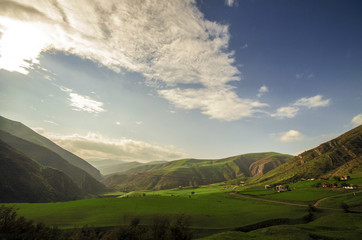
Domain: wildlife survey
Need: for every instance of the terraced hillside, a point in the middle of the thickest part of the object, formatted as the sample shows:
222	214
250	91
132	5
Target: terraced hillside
342	155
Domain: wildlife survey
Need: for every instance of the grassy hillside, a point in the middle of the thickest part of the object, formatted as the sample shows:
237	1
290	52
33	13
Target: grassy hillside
21	131
109	166
340	156
193	172
50	159
25	180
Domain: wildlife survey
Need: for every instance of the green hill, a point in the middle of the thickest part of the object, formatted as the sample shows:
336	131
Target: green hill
340	156
193	172
50	159
21	131
25	180
109	166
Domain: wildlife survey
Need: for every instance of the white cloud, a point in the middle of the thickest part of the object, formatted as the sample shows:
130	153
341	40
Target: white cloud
292	110
85	104
139	122
221	104
169	42
312	102
51	122
263	89
231	3
290	136
357	120
96	146
118	123
286	112
82	103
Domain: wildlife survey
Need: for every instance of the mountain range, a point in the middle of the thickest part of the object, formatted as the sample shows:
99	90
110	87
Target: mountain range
34	169
192	172
56	171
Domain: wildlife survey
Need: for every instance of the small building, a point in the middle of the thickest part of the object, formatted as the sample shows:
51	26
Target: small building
267	186
345	178
350	187
311	179
281	188
326	184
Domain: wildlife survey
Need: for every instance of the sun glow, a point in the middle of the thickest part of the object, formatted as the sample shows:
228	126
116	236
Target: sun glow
20	45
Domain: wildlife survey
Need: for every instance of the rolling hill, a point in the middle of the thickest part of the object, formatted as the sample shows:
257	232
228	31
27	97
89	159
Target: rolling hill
109	166
192	172
336	157
21	131
25	180
49	158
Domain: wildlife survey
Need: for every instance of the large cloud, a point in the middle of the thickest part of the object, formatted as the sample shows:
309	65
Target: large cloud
169	42
96	146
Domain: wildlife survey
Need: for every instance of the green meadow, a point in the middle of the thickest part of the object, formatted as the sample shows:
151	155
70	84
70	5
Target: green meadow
217	208
208	208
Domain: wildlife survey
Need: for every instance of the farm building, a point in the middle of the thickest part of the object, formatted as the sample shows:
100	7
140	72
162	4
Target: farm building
344	178
350	187
267	186
281	188
325	184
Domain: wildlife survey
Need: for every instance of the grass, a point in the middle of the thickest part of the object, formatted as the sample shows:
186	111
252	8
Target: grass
208	208
305	194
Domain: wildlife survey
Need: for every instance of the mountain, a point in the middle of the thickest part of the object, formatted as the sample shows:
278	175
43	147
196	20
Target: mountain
337	157
21	131
25	180
49	158
191	172
109	166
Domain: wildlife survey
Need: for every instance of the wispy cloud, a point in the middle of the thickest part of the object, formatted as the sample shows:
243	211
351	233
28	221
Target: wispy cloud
51	122
286	112
312	102
169	42
222	104
82	103
292	110
263	89
357	120
96	146
231	3
291	136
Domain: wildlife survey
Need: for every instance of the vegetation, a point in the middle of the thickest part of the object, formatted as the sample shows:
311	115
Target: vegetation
24	180
45	157
193	172
340	156
19	130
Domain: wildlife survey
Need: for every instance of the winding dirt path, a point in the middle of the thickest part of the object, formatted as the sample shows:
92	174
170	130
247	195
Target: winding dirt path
322	199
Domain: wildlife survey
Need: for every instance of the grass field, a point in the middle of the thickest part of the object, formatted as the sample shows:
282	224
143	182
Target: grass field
214	208
207	208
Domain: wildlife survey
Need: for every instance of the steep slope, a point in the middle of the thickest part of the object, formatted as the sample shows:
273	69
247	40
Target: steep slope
333	158
21	131
24	180
191	172
50	159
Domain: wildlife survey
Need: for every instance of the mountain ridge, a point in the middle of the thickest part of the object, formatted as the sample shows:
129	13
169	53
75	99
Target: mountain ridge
20	130
191	172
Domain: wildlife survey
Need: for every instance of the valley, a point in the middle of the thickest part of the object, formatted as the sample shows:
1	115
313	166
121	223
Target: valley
245	196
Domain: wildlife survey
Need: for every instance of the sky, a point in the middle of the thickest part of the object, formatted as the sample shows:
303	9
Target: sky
163	80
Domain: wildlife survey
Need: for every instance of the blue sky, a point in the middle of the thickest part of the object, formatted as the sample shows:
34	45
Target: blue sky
158	80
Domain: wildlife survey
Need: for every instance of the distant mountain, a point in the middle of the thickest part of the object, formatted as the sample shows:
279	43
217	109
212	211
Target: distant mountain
48	158
337	157
109	166
21	131
191	172
25	180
